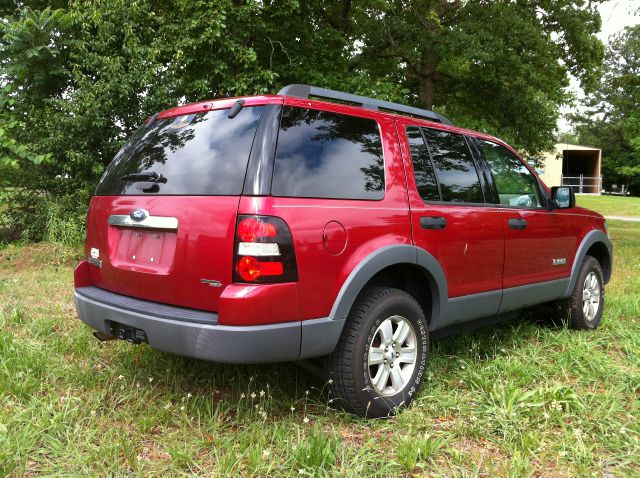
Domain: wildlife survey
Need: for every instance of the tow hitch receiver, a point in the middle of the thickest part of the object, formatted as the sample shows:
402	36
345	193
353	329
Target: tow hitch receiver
130	334
102	337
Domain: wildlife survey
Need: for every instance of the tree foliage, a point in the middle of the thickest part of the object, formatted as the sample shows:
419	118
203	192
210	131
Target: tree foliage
612	119
79	76
501	66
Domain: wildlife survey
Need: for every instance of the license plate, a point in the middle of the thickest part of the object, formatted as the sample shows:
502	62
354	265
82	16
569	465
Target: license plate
144	251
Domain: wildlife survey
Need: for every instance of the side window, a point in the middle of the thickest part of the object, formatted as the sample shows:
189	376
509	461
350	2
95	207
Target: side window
422	167
516	185
328	155
454	166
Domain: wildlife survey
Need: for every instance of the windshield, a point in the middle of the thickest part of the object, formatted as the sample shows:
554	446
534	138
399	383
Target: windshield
196	154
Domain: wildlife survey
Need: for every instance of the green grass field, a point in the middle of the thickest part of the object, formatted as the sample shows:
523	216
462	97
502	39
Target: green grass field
611	205
521	399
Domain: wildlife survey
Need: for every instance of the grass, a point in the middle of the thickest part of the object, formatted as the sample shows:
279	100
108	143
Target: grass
521	399
611	205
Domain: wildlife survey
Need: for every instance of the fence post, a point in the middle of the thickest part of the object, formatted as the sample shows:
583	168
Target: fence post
581	182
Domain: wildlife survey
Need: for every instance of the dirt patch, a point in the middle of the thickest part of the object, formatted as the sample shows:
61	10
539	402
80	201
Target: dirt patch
35	256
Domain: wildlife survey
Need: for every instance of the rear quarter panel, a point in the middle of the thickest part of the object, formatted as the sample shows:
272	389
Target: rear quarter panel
369	225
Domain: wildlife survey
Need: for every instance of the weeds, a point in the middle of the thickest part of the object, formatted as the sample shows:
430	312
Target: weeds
515	400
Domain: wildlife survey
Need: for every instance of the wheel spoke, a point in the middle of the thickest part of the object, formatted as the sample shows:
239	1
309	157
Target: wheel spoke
407	355
585	308
396	379
585	295
594	283
376	355
592	311
381	378
386	332
402	332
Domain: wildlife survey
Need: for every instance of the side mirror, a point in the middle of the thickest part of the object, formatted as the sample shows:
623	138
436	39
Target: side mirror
563	196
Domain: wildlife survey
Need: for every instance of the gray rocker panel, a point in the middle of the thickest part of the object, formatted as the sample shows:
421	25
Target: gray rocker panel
527	295
468	307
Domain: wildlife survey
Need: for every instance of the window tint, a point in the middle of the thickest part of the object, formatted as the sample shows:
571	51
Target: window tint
516	185
454	165
422	167
328	155
196	154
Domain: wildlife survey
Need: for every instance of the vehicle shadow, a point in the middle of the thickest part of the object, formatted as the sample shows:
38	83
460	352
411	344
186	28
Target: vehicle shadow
296	384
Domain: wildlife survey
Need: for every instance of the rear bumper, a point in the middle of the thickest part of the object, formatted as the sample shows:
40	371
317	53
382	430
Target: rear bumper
208	341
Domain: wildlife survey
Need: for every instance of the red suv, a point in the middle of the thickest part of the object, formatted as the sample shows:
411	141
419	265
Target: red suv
316	223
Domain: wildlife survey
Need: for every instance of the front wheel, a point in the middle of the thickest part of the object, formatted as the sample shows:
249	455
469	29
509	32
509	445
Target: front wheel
587	299
380	360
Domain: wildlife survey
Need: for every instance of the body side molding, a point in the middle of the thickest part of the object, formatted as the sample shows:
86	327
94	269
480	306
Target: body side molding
468	307
591	238
515	298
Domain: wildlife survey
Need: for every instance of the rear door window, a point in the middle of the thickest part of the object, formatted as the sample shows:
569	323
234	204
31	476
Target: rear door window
321	154
422	168
455	168
196	154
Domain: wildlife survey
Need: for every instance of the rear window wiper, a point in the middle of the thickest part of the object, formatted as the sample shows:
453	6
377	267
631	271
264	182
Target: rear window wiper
152	177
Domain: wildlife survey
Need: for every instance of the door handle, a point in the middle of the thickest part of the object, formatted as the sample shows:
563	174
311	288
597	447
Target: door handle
433	222
517	223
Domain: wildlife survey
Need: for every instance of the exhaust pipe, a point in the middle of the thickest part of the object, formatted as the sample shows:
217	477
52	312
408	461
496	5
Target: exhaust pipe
102	337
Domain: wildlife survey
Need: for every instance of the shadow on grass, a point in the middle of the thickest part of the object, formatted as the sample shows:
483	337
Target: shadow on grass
289	384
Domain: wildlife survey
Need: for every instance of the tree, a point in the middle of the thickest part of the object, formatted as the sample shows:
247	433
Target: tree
500	66
81	75
612	119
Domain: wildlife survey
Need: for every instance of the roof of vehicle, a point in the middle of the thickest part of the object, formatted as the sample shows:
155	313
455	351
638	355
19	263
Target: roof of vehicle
259	100
304	94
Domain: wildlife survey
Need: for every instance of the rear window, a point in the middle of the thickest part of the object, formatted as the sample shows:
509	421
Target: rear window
197	154
328	155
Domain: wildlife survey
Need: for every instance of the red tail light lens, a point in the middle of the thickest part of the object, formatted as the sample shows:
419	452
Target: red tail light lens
250	269
251	229
264	251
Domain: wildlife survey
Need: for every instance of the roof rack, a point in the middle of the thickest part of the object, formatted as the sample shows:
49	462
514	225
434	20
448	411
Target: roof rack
306	91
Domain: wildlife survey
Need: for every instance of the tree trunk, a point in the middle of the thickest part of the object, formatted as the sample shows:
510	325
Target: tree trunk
427	78
426	90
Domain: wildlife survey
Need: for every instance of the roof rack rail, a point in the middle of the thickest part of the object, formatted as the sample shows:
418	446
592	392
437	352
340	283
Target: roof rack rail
306	91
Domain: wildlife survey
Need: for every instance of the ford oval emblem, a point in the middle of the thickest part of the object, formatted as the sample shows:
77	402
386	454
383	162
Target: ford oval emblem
139	214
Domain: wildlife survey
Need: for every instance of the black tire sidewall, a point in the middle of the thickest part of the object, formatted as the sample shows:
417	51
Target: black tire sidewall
388	306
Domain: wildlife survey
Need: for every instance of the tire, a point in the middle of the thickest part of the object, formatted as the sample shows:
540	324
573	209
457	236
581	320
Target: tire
357	367
590	285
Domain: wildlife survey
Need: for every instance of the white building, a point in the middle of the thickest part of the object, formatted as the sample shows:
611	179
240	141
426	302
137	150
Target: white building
573	165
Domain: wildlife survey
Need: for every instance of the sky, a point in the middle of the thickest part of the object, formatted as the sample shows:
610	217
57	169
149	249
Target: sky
616	14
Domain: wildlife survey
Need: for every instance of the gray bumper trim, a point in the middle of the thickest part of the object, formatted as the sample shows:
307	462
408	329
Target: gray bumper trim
218	343
146	307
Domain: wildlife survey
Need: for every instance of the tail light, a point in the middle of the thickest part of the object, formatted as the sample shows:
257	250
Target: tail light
264	251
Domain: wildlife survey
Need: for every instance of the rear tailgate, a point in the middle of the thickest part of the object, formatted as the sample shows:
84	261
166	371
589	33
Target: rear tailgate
161	225
180	266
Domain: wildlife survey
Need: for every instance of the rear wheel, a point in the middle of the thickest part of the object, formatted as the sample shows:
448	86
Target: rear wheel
380	360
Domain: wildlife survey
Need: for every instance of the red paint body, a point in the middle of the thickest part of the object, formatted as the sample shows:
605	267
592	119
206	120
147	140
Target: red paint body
477	251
